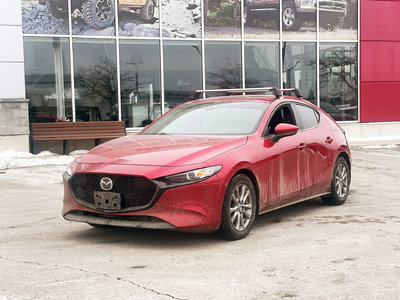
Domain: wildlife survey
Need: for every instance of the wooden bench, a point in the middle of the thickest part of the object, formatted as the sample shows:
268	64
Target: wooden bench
64	131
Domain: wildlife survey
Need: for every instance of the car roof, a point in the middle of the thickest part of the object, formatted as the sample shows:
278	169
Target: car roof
249	98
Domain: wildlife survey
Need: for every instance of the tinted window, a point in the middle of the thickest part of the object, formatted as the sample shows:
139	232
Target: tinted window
223	65
308	115
140	82
300	68
211	118
182	71
96	88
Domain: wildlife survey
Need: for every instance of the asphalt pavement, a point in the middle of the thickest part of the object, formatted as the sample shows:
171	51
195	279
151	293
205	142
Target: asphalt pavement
305	251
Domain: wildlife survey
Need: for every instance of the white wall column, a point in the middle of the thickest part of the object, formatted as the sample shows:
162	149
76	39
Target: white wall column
14	122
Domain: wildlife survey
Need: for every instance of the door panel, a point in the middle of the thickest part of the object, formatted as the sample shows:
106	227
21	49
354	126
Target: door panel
285	163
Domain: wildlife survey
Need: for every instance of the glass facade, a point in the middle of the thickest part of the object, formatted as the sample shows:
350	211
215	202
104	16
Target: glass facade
99	60
48	79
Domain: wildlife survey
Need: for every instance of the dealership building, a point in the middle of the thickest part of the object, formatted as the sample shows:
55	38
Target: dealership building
104	60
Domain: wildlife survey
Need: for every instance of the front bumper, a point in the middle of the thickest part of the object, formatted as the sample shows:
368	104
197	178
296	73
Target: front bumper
195	207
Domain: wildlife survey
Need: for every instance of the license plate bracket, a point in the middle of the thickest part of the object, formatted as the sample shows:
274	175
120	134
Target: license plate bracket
107	200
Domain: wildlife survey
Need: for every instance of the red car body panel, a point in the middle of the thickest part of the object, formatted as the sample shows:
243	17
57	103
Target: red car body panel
295	168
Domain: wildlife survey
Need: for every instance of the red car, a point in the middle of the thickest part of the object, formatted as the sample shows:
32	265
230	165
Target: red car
210	165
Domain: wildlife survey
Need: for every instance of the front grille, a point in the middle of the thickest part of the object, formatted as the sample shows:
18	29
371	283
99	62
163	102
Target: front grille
329	4
136	192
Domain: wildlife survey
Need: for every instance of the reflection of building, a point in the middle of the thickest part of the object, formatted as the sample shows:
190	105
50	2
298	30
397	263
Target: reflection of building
136	69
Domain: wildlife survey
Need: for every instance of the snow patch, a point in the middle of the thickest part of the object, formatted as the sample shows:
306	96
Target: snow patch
380	147
46	153
78	152
393	139
14	154
10	159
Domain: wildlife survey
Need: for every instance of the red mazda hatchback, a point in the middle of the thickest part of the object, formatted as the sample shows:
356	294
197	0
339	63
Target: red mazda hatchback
212	164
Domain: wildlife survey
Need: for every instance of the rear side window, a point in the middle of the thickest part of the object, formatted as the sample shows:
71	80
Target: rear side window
308	115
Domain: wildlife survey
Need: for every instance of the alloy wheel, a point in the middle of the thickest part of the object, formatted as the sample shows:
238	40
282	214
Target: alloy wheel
288	17
241	207
341	180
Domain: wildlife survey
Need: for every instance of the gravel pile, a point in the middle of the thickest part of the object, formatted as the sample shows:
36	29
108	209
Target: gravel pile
182	18
130	24
36	19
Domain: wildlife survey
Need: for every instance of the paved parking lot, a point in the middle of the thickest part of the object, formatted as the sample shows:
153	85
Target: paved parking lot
306	251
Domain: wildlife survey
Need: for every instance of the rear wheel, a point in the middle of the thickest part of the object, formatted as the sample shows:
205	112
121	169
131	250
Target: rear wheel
98	14
147	11
340	184
239	208
56	10
247	16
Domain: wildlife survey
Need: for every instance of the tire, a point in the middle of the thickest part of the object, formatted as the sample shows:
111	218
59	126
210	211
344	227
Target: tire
57	11
247	19
147	11
98	14
291	20
239	208
99	225
340	184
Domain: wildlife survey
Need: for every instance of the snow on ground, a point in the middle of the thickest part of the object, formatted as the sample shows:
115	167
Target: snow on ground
380	147
10	159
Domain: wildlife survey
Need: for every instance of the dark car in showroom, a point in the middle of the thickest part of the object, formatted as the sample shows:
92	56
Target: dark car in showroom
212	164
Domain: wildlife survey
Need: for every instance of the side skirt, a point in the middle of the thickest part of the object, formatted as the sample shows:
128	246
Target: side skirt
292	203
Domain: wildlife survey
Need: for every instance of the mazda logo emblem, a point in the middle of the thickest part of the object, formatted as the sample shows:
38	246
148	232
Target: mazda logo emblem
106	184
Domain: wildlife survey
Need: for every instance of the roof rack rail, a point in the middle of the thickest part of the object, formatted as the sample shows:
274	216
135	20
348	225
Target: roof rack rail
295	90
275	91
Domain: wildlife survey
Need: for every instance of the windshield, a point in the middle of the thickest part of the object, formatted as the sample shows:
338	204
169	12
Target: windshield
211	118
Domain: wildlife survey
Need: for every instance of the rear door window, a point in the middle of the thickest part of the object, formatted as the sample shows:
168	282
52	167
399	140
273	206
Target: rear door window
309	116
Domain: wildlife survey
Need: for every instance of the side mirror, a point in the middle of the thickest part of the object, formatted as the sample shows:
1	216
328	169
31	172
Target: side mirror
283	130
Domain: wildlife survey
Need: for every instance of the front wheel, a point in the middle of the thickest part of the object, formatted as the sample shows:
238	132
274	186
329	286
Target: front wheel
290	18
239	208
340	185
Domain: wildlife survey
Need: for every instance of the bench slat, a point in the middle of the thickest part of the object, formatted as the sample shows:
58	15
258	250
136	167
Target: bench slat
64	131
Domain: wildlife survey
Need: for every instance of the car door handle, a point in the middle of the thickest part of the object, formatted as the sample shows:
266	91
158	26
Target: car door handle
302	146
329	140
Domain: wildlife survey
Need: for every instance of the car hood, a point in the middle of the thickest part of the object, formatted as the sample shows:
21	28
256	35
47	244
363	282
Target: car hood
161	150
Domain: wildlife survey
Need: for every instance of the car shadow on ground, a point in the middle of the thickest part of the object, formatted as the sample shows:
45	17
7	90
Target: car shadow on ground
175	240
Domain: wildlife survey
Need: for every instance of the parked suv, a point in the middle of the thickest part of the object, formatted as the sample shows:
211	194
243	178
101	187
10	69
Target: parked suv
100	14
295	12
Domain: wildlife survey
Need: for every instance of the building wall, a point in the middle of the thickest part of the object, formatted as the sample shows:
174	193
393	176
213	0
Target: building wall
380	60
14	124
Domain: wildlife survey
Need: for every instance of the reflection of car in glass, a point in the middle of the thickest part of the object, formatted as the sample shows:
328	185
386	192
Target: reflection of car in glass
295	12
100	14
212	164
335	113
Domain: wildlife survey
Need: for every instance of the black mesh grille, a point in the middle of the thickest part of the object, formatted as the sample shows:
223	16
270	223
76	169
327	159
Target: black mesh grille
135	191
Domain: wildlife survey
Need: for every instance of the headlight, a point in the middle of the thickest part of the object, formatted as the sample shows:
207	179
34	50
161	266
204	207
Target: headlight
195	175
71	168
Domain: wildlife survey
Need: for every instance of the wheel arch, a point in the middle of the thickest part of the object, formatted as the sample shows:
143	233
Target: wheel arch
346	157
253	179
